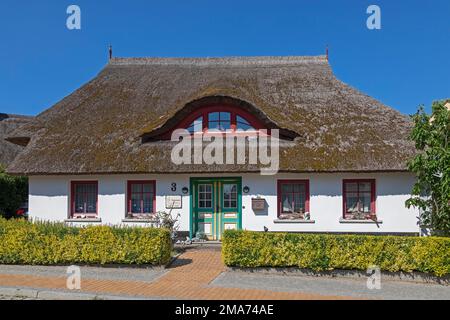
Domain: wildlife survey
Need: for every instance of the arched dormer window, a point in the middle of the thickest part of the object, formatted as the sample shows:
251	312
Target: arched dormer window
220	119
217	114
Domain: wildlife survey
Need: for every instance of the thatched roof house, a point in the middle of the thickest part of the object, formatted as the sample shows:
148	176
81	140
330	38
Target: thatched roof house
103	154
104	126
8	124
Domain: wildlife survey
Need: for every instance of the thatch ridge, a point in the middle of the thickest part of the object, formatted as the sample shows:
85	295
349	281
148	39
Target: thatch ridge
239	62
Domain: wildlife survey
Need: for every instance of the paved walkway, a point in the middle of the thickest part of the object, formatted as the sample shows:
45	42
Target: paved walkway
199	274
189	277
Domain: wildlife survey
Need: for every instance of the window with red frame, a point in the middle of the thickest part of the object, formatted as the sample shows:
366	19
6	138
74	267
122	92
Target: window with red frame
293	199
220	118
141	198
359	199
84	199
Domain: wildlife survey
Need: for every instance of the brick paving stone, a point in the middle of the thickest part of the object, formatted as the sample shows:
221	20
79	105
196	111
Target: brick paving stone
189	277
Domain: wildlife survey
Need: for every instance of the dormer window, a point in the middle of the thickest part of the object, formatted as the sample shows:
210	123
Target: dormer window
218	115
220	119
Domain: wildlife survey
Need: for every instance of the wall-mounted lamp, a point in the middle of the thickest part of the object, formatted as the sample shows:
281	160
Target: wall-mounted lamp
185	190
246	189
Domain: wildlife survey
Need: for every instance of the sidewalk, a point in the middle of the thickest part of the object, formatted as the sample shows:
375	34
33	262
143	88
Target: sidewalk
189	277
198	274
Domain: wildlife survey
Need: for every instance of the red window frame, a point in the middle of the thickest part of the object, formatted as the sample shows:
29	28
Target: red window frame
74	214
372	196
129	184
279	194
205	111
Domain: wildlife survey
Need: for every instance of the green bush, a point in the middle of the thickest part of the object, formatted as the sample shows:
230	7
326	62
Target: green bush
23	242
13	192
320	252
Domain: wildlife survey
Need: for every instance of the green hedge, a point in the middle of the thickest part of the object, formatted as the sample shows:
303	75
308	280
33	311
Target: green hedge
23	242
13	192
321	252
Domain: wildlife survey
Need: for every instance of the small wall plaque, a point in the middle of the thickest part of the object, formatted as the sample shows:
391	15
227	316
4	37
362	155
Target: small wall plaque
174	202
258	204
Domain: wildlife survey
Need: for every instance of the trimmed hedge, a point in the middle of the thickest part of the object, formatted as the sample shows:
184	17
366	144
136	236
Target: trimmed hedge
23	242
321	252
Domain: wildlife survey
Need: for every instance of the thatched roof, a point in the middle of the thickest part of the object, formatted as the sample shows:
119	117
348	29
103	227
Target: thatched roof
9	123
98	128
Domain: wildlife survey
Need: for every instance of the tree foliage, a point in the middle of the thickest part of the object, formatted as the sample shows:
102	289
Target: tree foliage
431	192
13	192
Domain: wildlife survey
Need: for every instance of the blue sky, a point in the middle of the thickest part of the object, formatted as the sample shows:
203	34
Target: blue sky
404	64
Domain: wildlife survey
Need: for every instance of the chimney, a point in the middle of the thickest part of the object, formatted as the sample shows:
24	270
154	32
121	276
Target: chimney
110	52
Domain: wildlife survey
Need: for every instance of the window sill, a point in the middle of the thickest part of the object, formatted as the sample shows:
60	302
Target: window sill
84	220
137	220
360	221
294	221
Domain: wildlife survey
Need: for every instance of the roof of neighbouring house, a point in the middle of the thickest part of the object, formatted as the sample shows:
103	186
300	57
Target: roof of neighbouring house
9	123
98	128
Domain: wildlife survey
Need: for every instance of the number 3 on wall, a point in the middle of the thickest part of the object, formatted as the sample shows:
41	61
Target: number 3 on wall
173	187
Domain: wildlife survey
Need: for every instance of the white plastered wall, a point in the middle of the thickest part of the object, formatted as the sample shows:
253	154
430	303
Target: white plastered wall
49	200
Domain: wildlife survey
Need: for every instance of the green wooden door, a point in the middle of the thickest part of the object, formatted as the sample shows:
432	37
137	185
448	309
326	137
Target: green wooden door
216	205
